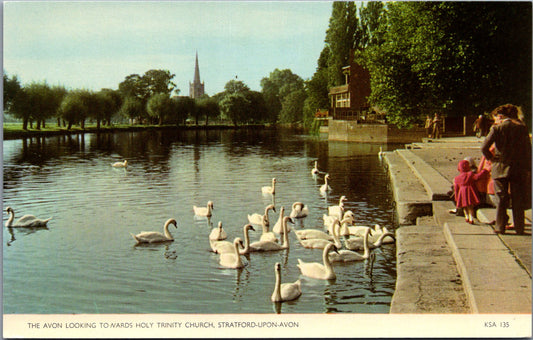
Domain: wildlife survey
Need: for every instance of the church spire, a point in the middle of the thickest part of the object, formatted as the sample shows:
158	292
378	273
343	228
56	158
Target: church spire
196	88
196	71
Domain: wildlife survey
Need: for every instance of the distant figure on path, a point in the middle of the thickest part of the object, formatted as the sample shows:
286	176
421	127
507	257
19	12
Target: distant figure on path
429	125
511	166
481	126
437	122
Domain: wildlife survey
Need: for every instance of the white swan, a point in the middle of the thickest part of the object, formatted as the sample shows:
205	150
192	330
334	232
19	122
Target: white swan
259	219
315	170
204	211
347	219
320	243
26	221
299	210
270	190
357	243
268	235
307	234
318	270
218	234
378	230
337	210
360	230
325	187
277	227
285	291
120	164
155	236
272	246
232	260
350	256
222	247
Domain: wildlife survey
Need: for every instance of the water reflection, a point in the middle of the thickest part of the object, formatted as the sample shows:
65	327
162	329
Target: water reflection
98	206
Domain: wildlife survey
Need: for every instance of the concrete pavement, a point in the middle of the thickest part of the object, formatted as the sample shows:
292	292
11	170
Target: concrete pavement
444	264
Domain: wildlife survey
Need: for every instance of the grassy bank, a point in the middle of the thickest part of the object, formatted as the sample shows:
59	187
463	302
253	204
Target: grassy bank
15	131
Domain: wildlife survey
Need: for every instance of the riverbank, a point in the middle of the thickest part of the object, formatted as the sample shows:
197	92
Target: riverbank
18	133
445	265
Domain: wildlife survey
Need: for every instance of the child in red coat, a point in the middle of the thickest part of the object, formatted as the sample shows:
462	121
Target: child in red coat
464	186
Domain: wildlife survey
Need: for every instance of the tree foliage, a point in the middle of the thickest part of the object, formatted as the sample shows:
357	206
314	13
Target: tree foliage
208	108
275	87
445	57
343	35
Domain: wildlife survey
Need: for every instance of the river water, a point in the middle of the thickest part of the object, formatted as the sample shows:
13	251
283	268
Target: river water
86	260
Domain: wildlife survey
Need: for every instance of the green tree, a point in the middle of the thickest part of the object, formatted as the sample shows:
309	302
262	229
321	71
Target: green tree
235	107
292	107
258	111
11	89
276	87
37	101
184	107
445	57
111	102
74	108
132	108
342	36
208	108
159	106
158	81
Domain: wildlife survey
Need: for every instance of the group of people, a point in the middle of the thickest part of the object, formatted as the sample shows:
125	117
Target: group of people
433	126
503	177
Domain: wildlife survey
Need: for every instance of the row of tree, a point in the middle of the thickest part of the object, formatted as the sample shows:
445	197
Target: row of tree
455	58
148	99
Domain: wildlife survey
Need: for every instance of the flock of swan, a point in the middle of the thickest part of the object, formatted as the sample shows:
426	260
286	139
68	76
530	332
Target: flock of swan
338	223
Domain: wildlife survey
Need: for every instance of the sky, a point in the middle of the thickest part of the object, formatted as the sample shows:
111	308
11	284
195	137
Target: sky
95	45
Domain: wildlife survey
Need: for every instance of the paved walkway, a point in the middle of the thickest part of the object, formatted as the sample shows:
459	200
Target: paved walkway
490	273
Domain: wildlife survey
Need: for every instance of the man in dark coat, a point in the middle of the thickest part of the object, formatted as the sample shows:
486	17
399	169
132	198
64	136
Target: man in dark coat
511	166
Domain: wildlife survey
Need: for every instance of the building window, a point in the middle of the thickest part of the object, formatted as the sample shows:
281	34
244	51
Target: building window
343	100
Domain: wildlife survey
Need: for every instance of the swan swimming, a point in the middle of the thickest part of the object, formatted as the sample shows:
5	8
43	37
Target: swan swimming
270	190
299	210
347	219
26	221
120	164
277	227
272	246
325	187
337	210
232	260
259	219
357	243
320	243
155	236
360	230
221	247
323	271
285	291
350	256
204	211
315	170
218	234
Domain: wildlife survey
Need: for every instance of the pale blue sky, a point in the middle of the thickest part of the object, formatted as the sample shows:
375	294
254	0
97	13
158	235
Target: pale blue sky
95	45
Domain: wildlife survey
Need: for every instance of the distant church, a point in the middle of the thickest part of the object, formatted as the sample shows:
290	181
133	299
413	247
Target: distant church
196	88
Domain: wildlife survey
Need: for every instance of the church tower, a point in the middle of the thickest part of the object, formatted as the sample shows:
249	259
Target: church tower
196	88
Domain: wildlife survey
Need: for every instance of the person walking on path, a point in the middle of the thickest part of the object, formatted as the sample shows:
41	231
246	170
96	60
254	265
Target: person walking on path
437	122
511	166
428	125
464	186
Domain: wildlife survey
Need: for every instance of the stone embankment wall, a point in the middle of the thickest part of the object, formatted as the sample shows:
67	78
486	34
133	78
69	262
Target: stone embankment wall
352	131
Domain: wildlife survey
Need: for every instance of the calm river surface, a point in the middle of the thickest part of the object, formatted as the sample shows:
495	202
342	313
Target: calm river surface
86	260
